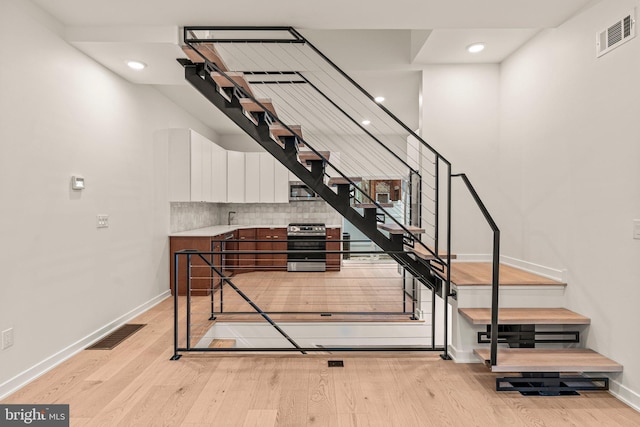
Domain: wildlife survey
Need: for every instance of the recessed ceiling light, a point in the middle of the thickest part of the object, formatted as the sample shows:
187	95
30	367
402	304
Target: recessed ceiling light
366	122
136	65
379	99
475	47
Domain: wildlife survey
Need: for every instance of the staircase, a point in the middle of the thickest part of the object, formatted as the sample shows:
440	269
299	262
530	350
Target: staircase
538	338
306	112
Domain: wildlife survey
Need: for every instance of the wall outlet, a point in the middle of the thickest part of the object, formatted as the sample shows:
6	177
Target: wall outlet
102	221
636	229
7	338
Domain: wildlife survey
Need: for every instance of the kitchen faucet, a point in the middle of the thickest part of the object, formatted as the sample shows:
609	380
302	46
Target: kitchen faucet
229	217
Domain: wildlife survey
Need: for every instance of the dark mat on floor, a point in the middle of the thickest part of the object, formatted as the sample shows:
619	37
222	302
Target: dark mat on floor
116	337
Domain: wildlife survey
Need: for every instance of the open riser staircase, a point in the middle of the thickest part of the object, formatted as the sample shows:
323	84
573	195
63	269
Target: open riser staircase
332	135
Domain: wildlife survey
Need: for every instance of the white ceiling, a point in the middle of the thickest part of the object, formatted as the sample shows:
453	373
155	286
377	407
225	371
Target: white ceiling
382	44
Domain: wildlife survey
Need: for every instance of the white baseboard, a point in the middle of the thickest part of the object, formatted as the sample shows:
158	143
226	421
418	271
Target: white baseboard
462	356
624	394
23	378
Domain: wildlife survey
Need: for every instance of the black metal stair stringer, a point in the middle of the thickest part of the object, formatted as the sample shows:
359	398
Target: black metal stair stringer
198	77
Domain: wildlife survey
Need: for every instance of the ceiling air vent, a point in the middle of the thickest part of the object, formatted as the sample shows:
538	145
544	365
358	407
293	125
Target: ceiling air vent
616	34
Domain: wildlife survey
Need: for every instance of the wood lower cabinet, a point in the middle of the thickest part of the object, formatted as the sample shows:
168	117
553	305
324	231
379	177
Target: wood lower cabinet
333	244
202	280
272	239
246	262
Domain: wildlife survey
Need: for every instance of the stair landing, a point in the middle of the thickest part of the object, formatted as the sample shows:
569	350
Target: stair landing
549	360
480	274
525	316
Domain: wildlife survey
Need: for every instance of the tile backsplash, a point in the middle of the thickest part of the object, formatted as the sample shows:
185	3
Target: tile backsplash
188	216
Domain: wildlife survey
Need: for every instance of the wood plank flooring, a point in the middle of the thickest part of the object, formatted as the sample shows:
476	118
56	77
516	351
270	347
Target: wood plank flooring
136	384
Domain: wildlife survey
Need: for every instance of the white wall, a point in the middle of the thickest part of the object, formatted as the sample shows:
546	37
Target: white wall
460	120
570	123
62	114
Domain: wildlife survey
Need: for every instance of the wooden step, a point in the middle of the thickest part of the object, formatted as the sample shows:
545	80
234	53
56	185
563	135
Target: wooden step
549	360
222	343
238	78
396	229
307	156
340	180
252	107
278	131
422	252
372	205
525	316
480	274
209	51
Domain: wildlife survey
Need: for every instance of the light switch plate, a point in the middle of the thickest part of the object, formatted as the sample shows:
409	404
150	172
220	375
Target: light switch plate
636	229
102	221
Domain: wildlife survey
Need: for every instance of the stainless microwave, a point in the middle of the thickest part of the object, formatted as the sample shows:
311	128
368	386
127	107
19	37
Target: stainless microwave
298	190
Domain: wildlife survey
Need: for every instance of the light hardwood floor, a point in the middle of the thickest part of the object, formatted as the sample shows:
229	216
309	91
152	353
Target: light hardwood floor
137	385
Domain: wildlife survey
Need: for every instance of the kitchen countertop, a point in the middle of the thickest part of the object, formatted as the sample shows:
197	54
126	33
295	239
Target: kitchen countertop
215	230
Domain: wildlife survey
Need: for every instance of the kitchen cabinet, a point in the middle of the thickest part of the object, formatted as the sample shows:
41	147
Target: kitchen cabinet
246	237
194	168
333	244
267	178
252	177
280	183
235	177
201	275
273	239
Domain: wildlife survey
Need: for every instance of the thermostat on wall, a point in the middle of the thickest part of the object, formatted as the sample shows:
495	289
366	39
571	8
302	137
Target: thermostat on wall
77	183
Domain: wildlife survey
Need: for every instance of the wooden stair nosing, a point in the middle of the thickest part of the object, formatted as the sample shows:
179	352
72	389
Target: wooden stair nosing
209	52
253	107
549	360
525	316
396	229
238	78
340	180
421	252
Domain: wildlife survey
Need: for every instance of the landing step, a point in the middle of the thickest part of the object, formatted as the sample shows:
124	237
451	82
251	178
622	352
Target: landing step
480	274
525	316
549	360
222	343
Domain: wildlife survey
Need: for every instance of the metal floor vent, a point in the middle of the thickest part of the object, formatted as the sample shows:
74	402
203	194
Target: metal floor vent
616	34
116	337
336	364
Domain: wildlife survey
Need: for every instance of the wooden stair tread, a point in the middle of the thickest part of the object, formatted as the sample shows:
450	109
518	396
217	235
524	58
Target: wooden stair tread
222	343
252	107
479	274
307	156
421	252
525	316
372	206
209	51
238	78
341	180
278	130
396	229
549	360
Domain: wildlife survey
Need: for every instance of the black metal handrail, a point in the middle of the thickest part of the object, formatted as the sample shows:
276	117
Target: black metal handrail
495	274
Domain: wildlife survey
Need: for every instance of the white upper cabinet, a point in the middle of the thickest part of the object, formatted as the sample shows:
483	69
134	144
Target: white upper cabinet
202	171
235	177
252	177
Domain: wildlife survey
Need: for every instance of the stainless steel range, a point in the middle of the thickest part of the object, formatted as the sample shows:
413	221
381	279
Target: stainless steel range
306	244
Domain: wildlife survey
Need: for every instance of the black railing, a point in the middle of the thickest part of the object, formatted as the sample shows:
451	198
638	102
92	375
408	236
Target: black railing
495	274
182	288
